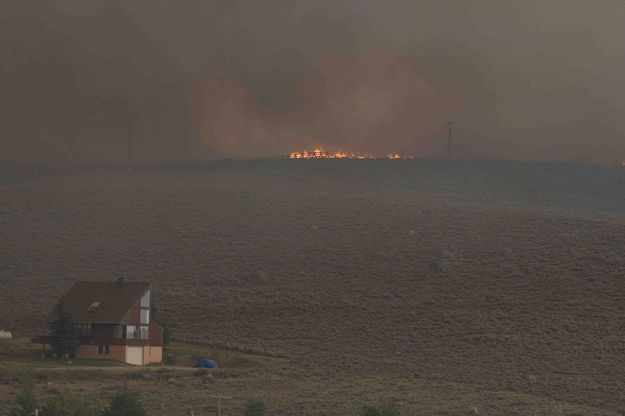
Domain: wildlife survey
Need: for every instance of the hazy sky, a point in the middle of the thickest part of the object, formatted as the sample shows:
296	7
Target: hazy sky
539	80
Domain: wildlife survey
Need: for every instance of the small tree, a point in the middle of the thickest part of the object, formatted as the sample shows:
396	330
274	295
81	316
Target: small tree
63	332
26	404
125	403
255	408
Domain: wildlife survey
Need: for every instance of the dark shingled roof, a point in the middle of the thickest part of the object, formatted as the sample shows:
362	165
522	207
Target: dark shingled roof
115	300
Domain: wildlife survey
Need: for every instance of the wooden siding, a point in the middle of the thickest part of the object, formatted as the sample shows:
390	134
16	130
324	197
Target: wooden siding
155	334
132	316
152	355
90	352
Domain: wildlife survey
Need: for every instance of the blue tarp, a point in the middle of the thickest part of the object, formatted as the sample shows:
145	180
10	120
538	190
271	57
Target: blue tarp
206	363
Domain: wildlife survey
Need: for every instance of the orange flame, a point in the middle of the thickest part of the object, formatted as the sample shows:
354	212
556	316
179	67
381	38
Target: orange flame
320	153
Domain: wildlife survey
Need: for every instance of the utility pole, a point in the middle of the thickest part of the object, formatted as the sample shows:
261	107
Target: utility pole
130	116
449	124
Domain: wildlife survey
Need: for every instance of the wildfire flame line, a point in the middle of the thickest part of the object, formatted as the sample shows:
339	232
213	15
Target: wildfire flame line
320	153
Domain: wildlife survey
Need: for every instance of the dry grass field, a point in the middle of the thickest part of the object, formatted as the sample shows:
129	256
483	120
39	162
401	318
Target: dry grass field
285	387
442	286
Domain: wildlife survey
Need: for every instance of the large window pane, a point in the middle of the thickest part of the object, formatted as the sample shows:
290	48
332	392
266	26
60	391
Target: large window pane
131	332
145	316
145	300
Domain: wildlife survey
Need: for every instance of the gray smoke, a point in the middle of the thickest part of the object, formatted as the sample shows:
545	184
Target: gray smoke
532	80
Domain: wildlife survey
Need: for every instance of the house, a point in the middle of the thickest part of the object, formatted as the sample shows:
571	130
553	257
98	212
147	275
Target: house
112	321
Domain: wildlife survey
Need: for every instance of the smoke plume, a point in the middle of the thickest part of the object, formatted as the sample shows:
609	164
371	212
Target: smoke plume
375	103
531	80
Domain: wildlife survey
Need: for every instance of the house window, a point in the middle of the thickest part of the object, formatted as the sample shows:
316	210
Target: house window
103	349
145	300
145	332
84	329
131	332
145	316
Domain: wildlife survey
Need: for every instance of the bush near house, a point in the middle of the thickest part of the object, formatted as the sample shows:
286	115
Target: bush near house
26	404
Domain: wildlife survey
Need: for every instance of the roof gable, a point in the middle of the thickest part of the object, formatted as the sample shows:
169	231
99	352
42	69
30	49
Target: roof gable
113	301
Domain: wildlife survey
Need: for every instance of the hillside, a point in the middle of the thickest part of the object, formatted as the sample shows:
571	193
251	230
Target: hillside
505	276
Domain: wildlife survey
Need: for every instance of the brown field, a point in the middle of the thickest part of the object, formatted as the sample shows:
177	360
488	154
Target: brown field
499	287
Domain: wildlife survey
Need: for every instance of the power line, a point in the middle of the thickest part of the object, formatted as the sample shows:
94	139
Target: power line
58	122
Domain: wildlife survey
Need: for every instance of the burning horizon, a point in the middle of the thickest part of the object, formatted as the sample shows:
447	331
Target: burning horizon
375	103
320	153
